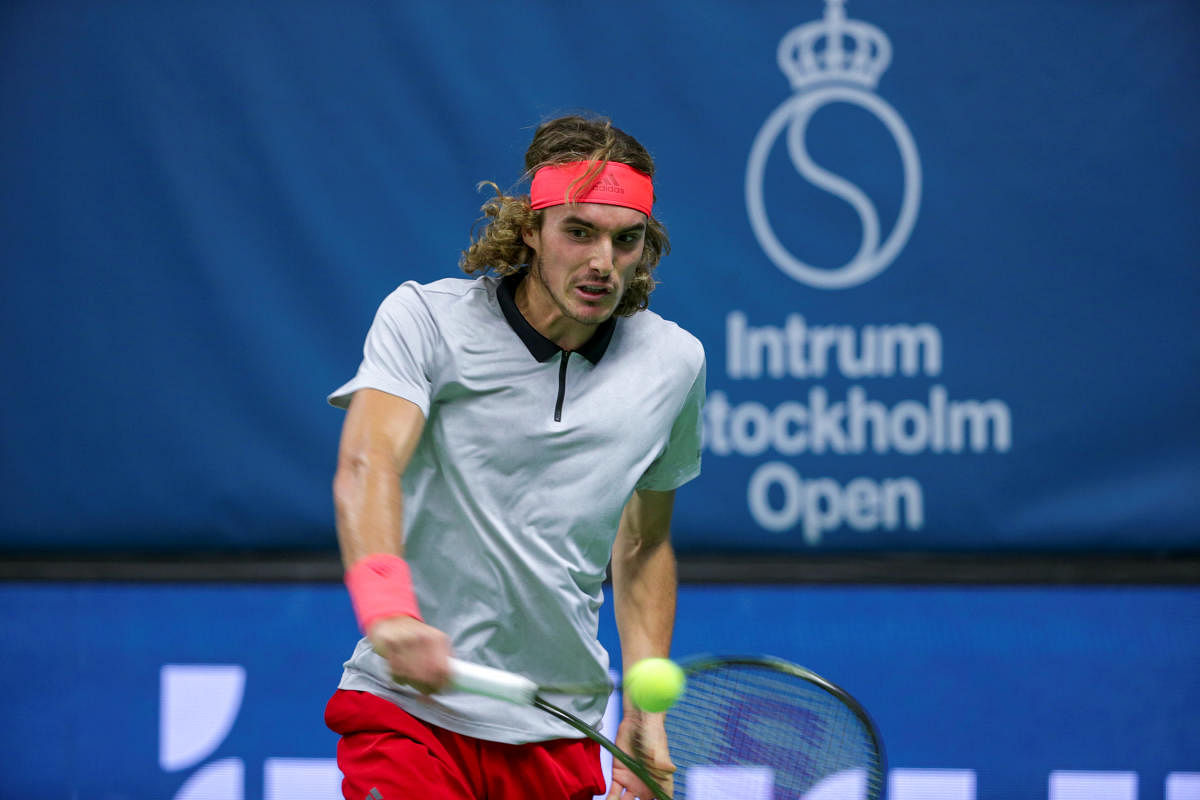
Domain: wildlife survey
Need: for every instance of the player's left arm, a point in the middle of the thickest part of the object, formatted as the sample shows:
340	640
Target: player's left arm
644	596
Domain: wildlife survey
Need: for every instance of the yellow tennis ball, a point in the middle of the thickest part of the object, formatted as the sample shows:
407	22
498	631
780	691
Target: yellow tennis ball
654	684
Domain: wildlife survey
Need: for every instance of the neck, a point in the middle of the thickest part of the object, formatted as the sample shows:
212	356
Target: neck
537	306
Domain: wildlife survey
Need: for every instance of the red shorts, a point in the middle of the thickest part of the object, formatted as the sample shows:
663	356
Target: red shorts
387	754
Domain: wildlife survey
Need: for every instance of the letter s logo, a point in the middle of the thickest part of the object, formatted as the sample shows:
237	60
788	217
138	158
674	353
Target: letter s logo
823	70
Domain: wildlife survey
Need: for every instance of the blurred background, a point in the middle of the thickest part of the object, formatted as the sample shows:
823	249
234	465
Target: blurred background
942	257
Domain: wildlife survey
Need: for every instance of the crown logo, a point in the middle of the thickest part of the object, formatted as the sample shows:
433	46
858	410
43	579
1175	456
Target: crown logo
834	49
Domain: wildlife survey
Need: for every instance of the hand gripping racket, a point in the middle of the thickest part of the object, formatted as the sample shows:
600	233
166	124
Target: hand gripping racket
747	727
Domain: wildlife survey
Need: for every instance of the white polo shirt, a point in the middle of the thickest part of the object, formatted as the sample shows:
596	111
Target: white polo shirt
513	495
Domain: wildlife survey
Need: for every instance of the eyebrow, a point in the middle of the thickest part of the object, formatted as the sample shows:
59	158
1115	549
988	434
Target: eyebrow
573	220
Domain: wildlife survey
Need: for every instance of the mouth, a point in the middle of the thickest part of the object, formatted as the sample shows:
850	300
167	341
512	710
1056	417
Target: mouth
594	292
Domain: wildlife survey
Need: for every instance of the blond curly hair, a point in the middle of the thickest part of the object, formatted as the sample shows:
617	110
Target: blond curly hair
497	244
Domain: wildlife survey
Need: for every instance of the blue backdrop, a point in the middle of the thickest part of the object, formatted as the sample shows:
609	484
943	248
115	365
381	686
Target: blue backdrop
943	261
128	691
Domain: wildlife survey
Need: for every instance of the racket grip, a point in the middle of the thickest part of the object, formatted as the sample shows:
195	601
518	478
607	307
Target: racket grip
491	682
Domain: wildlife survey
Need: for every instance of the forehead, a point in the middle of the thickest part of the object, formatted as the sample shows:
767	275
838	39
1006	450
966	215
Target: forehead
597	215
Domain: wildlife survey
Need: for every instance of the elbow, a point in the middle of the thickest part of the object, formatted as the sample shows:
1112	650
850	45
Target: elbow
349	479
362	471
344	484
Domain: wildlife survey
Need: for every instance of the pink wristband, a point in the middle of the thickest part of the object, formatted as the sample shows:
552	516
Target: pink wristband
381	586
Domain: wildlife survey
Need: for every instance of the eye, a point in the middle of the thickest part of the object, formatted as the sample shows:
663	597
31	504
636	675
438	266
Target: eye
577	233
629	239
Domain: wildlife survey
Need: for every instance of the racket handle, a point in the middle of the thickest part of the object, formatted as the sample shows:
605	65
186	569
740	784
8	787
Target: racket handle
491	682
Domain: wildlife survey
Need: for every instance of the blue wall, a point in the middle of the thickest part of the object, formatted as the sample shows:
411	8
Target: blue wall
1007	686
949	299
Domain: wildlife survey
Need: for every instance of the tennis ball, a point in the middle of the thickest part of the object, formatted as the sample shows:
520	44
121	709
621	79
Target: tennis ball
654	684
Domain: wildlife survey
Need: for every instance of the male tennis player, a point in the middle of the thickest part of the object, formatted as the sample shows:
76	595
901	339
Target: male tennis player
506	437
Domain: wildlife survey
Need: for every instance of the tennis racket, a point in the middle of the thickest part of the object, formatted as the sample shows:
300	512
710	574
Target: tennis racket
746	728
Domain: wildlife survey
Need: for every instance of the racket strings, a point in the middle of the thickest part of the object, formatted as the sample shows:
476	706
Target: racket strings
744	719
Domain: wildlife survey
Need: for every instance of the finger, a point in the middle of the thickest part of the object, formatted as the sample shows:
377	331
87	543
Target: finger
632	786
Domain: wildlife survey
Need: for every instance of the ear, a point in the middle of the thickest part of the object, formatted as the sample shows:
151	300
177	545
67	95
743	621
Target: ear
532	238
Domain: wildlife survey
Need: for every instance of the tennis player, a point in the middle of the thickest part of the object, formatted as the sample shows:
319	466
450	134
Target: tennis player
507	436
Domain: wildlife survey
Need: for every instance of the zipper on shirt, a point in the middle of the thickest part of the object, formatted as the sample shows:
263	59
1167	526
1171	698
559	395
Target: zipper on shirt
562	385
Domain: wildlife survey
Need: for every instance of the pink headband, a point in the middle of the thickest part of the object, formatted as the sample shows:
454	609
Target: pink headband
616	185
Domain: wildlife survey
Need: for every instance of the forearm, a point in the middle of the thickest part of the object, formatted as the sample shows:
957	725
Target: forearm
644	597
644	578
369	506
378	439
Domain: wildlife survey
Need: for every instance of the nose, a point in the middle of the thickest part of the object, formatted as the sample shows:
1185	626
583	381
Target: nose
602	256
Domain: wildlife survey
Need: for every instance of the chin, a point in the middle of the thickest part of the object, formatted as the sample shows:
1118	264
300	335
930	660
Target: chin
592	312
593	319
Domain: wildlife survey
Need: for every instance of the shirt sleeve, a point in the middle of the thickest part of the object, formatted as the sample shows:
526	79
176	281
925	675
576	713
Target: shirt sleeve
398	354
680	461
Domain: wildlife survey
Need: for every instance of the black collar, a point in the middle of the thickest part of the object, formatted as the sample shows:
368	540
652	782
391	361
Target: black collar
539	346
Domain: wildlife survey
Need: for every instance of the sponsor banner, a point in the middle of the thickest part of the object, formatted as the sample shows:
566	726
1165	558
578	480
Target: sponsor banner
941	256
187	692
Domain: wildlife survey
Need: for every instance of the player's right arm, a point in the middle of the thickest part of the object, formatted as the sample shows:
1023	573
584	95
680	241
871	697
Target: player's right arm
379	436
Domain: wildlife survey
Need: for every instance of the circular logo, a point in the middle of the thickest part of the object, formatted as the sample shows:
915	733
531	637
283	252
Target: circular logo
873	256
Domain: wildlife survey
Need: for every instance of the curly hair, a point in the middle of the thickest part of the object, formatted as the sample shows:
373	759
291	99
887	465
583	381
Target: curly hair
497	244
